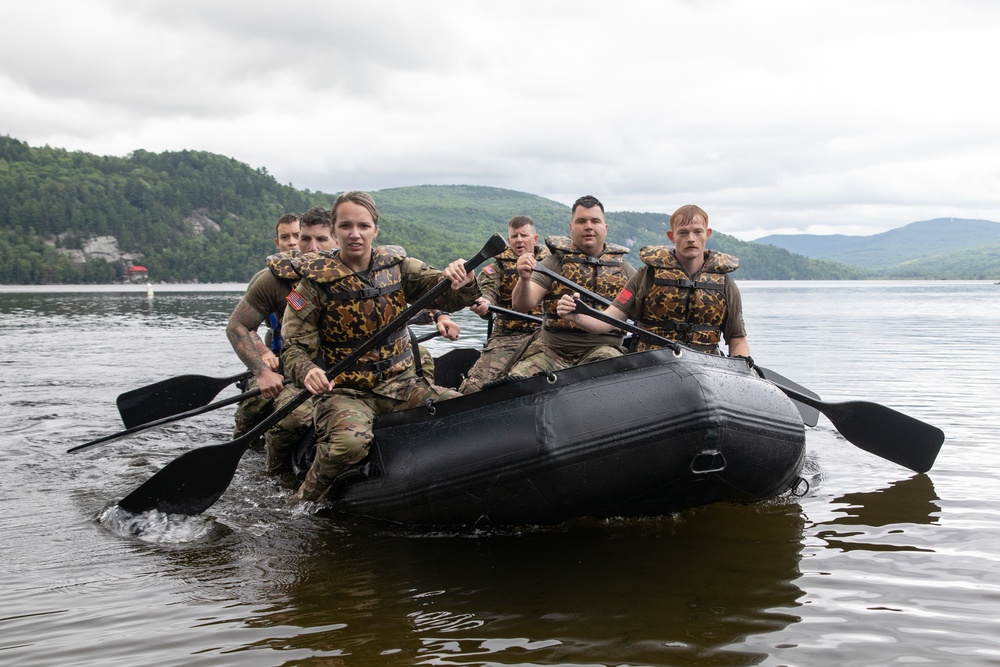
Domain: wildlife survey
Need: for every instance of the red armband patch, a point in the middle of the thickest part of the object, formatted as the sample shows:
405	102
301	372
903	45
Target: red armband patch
295	300
623	296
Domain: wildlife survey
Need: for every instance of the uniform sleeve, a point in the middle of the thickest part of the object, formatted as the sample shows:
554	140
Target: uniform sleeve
258	295
300	328
733	326
489	284
419	278
630	296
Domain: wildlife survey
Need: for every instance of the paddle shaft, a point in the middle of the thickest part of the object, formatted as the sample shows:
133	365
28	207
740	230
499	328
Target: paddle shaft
192	483
171	396
167	420
516	314
195	411
576	287
599	315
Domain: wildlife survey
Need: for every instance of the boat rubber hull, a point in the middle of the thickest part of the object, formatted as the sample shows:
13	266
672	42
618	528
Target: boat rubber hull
646	434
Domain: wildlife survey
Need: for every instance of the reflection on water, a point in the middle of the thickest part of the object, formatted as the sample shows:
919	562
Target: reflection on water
908	502
674	590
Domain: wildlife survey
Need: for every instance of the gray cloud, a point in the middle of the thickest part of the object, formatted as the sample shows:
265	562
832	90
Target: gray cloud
774	116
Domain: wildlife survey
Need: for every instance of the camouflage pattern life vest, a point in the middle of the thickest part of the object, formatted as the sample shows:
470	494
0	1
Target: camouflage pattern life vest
283	266
353	309
688	309
604	275
507	267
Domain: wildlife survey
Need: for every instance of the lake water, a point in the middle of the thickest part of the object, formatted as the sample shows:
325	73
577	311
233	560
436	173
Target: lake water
874	565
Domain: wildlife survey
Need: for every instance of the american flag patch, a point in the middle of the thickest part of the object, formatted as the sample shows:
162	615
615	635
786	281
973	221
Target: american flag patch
623	296
295	300
489	269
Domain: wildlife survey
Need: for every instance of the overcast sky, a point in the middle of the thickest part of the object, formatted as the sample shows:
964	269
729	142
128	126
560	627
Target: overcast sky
776	116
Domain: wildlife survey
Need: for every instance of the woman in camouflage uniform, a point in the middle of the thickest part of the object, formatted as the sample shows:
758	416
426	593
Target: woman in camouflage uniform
343	299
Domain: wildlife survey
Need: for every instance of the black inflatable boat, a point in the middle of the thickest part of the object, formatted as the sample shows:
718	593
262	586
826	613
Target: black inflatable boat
645	434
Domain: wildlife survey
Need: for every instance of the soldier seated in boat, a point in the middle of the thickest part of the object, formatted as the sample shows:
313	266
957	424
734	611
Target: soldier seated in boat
259	357
264	301
343	299
684	293
508	335
586	259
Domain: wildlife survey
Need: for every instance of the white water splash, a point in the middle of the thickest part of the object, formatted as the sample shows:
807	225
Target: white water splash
159	528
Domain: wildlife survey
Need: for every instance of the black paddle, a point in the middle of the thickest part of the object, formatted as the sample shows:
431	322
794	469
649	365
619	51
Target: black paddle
874	428
171	397
177	395
515	313
194	411
192	482
809	414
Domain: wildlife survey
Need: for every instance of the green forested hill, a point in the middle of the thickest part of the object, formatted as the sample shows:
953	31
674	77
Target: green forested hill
196	216
55	199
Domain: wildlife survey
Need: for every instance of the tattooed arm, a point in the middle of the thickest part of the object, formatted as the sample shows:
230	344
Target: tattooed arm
242	333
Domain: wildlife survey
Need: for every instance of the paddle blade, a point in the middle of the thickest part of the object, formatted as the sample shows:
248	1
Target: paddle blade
191	483
170	397
886	433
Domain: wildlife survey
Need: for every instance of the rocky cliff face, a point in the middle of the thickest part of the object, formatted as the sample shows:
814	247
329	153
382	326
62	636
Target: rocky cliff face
98	247
200	222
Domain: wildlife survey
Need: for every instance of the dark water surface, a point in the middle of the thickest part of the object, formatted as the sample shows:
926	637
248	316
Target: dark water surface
874	565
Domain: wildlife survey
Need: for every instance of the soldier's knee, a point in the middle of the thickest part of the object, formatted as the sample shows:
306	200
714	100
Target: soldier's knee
348	448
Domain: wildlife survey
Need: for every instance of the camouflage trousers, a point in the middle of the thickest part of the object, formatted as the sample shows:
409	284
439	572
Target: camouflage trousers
540	356
250	412
496	357
344	417
426	363
282	438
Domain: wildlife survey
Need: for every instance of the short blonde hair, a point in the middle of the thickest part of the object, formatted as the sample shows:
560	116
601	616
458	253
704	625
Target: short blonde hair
685	214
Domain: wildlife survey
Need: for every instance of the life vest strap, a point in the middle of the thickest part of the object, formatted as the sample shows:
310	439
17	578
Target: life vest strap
687	283
365	293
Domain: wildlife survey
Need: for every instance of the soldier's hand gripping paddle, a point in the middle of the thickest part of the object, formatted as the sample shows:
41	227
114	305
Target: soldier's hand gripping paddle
192	482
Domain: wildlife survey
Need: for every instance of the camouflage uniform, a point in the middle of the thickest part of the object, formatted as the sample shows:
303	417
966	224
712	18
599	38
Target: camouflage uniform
696	310
266	294
561	343
509	335
331	312
282	438
250	412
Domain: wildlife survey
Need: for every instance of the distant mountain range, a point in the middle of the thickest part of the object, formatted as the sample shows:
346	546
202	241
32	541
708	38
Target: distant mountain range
943	247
